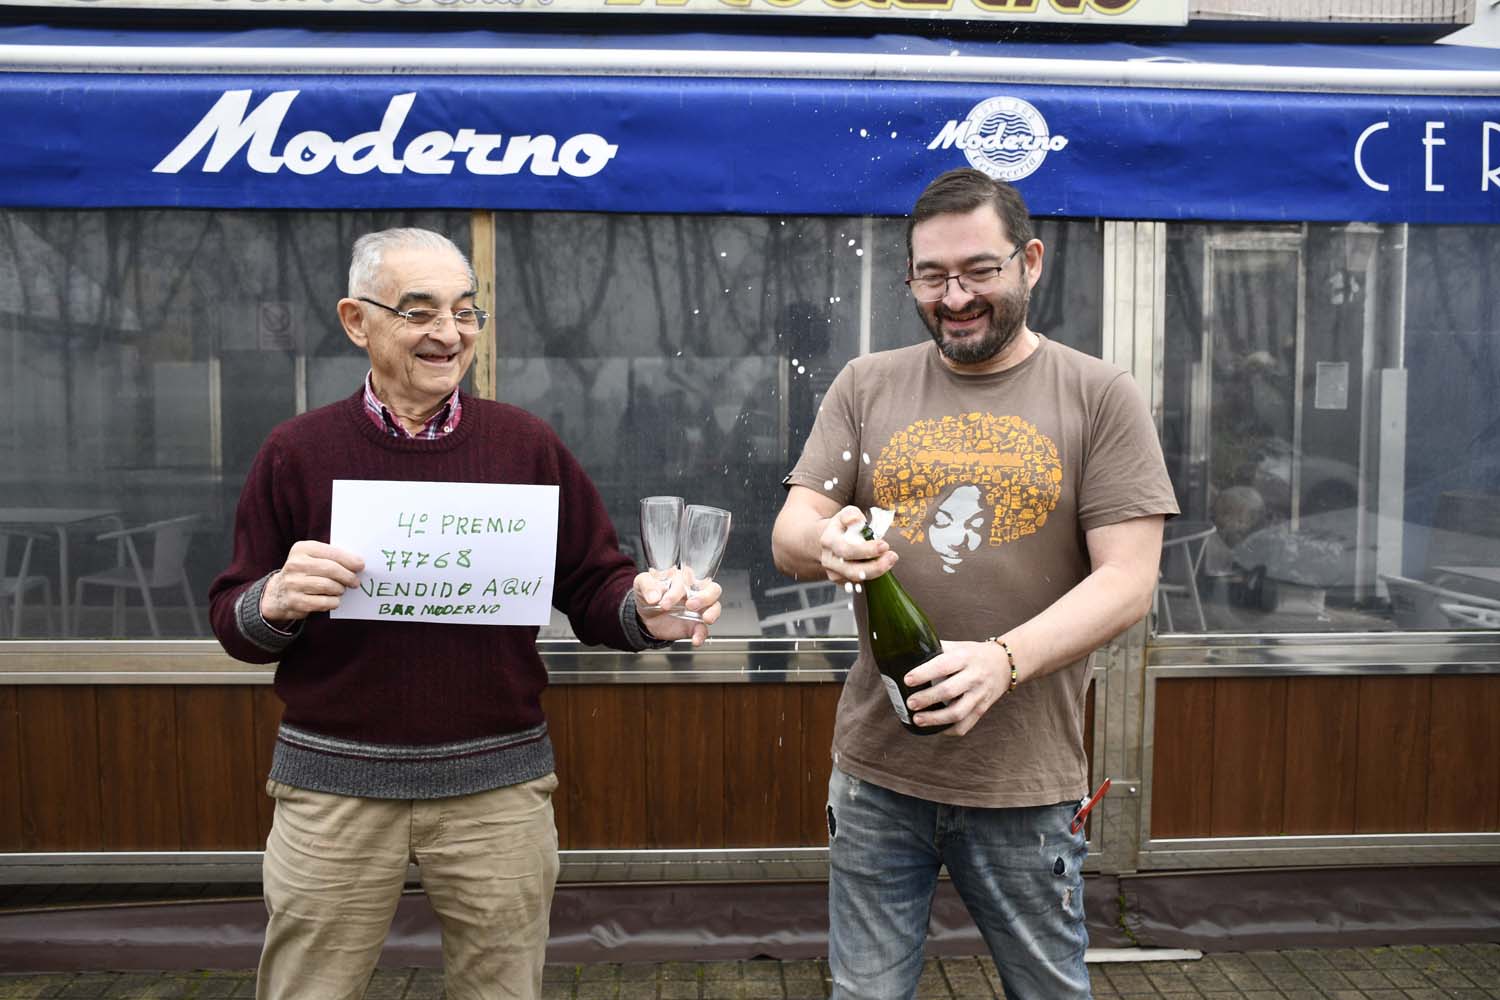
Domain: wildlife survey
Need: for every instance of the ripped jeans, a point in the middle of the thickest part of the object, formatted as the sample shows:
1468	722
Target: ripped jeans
1019	872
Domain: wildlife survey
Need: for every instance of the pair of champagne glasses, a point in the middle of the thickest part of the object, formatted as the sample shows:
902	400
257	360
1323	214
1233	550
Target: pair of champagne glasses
691	536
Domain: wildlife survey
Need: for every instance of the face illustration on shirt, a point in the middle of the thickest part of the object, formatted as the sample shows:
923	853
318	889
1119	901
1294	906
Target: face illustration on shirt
957	526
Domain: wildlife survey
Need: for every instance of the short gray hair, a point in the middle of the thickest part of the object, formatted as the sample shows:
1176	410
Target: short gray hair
370	249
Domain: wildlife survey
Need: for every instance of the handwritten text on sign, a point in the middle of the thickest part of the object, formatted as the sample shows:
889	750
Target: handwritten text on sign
472	553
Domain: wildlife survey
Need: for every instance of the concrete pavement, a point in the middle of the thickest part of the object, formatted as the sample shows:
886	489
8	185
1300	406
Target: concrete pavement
1397	973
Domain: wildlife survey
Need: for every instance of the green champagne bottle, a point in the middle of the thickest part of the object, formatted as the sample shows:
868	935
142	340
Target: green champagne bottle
901	638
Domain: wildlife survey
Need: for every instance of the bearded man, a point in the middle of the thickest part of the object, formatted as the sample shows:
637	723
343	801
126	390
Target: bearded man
1062	450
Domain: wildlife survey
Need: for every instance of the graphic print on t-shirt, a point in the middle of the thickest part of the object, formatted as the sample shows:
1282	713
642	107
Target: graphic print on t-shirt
957	482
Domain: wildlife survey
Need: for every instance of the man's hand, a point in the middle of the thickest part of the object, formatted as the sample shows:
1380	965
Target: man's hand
653	601
313	578
852	561
969	676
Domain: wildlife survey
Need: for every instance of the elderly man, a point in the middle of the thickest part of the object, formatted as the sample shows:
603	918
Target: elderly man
412	741
1029	493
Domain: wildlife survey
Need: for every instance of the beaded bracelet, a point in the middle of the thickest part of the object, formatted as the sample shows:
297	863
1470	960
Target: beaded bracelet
1010	658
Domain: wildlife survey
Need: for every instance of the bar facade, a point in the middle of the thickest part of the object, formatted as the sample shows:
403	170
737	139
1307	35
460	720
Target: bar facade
1293	252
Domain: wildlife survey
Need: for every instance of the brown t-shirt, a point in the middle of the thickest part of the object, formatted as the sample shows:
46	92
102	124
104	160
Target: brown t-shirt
993	479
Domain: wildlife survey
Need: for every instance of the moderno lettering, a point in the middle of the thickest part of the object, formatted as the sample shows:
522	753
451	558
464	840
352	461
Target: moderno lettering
438	610
231	126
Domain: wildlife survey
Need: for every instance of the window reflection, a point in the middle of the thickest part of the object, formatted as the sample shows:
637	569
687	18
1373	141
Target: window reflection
144	356
1328	420
689	355
682	355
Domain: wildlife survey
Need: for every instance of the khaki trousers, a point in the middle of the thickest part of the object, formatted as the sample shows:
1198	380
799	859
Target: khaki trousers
334	870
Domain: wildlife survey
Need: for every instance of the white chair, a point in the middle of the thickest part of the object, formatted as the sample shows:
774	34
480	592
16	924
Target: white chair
1189	541
1465	615
13	588
817	601
168	568
1418	604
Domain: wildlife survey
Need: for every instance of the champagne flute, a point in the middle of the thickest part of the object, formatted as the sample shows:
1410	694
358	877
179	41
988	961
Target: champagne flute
705	531
661	519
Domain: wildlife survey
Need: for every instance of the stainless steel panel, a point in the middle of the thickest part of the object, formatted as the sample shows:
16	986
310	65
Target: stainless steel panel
1325	653
1350	850
720	661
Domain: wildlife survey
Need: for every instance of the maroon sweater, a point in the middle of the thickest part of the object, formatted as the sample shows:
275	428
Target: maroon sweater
393	709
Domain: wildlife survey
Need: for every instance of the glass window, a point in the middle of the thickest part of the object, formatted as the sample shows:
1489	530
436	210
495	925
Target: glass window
144	356
1330	422
689	354
683	355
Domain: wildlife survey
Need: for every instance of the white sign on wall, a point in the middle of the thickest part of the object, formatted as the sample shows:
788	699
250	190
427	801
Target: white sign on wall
466	553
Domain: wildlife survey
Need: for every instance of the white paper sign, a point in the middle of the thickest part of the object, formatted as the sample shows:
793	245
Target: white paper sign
467	553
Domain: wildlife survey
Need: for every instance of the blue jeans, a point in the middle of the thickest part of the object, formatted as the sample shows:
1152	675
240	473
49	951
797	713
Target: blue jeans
1019	872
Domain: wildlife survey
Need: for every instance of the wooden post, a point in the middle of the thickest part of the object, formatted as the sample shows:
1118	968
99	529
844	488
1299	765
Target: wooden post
482	256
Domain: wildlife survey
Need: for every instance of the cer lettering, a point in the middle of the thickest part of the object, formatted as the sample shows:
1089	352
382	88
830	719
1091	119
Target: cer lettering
1432	139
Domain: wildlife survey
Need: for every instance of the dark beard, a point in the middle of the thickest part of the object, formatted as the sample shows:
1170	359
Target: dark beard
1007	320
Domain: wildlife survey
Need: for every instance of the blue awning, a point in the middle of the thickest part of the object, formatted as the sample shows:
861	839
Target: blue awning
692	122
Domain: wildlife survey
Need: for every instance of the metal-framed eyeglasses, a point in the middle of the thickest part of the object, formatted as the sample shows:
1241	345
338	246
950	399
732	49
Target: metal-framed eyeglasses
975	281
468	320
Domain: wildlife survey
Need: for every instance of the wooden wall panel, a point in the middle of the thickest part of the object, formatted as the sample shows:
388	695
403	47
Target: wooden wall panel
684	729
1182	776
1463	758
1322	741
1391	788
10	772
59	736
138	777
1249	755
746	765
555	705
266	709
607	754
763	778
819	704
216	761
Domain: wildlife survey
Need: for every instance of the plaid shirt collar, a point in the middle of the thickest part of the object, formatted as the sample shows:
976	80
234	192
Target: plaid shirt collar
442	423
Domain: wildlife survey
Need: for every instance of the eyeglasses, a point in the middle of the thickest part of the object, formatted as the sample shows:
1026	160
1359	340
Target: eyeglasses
975	281
464	319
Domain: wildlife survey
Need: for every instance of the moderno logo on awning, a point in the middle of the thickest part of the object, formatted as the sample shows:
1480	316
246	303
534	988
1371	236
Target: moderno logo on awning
1005	137
230	127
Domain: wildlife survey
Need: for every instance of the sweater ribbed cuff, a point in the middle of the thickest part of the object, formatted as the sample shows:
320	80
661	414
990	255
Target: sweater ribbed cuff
635	635
254	627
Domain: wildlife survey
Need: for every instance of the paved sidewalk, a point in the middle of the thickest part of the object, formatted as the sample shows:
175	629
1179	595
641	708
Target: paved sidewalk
1401	973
